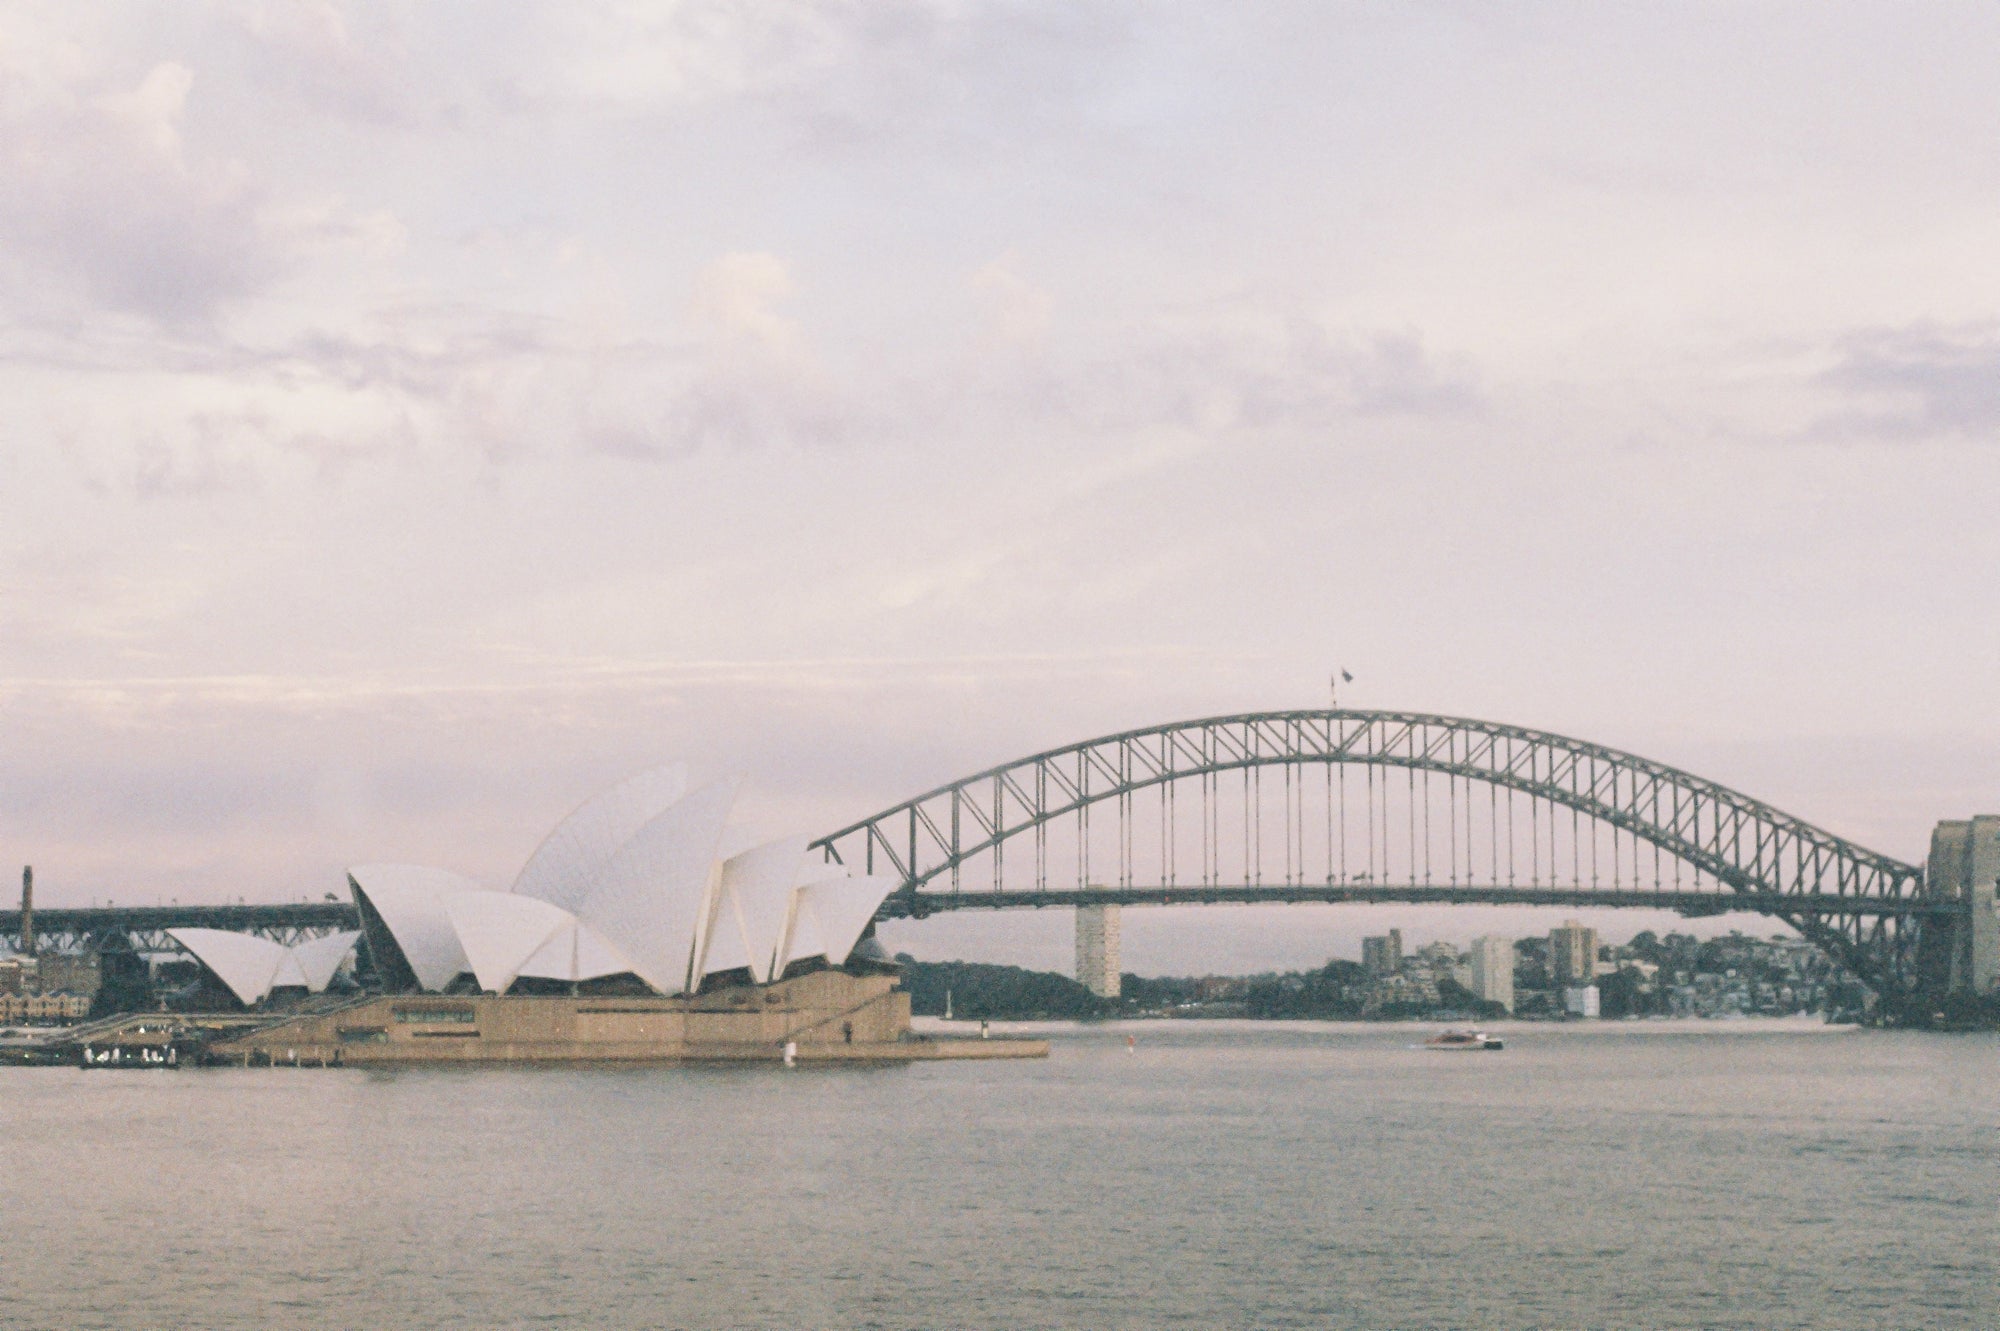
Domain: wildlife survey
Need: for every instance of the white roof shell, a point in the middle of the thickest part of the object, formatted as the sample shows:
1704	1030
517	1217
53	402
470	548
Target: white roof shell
844	907
627	883
829	915
500	932
246	963
652	900
748	919
567	863
576	952
411	900
506	937
252	967
318	959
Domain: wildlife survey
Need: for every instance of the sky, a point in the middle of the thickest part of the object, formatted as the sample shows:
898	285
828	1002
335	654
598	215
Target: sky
414	418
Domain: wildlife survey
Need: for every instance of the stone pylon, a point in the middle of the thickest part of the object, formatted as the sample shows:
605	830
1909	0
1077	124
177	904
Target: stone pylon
1962	956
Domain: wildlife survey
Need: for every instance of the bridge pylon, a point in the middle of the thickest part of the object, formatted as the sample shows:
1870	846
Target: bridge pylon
1097	951
1958	955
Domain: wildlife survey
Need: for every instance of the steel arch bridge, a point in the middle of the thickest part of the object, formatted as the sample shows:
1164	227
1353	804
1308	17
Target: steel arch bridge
1383	806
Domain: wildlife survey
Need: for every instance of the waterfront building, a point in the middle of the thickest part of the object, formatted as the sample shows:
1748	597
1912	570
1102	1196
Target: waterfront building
1493	970
1573	954
1097	960
1441	957
1383	955
19	974
1414	990
50	987
1581	1000
16	1008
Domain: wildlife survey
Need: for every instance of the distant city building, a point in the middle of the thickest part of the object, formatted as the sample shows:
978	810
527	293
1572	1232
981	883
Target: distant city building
18	974
1573	954
1581	1000
1383	955
1097	962
37	1008
1493	970
50	987
1439	956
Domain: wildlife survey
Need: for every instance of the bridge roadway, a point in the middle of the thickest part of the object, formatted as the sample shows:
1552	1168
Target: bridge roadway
60	925
74	925
1692	904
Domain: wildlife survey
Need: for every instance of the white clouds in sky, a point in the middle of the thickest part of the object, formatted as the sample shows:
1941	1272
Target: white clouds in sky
449	408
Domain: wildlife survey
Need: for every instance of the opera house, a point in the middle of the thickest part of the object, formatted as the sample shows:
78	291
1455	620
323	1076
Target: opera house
626	935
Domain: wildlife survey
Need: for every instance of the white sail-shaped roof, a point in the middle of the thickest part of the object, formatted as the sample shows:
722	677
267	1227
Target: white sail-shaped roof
576	952
252	967
290	974
844	906
246	963
799	938
749	909
319	958
411	901
828	916
802	936
652	899
500	932
566	864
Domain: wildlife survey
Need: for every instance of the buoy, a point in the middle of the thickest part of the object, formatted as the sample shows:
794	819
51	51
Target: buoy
1131	1044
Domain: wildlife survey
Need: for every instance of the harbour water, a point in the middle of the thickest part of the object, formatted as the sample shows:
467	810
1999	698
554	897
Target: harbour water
1220	1174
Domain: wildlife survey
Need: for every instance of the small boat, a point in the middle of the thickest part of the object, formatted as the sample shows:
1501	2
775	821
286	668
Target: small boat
1463	1040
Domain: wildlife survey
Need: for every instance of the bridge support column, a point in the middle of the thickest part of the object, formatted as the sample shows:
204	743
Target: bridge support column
1097	950
1964	956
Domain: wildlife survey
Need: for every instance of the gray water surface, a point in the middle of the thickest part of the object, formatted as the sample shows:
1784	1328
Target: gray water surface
1226	1174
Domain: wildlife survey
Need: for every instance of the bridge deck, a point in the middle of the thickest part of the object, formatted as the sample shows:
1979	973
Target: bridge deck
921	904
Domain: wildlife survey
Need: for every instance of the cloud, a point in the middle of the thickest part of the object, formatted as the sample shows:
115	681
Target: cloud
750	379
736	299
845	75
1017	311
1245	368
461	383
102	200
1917	383
636	53
317	53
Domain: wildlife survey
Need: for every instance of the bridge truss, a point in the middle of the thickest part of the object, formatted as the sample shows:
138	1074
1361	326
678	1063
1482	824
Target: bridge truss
144	928
1382	806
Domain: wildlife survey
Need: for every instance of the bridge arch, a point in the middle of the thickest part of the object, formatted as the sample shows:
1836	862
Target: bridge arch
1859	905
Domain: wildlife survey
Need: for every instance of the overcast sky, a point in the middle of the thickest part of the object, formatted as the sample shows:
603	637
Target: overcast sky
414	417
